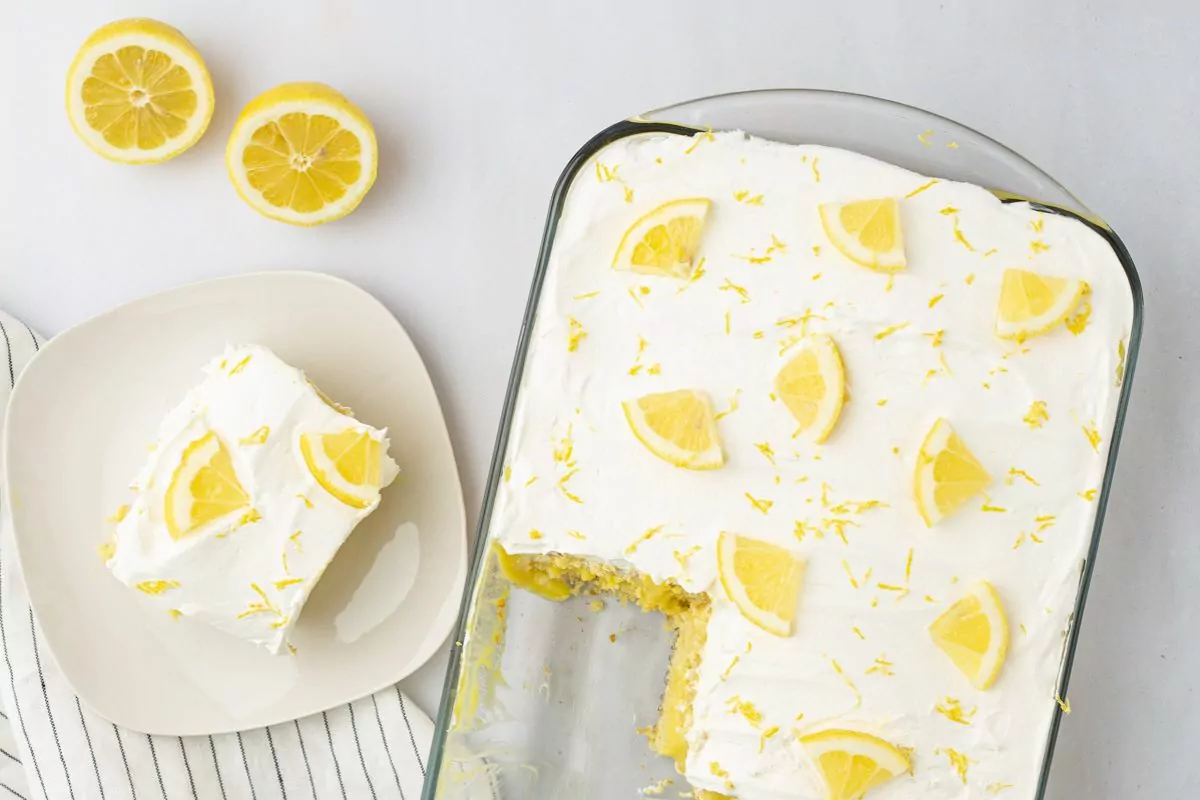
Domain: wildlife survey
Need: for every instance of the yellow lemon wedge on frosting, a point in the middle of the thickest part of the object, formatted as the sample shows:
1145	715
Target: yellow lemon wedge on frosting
762	579
851	763
203	488
974	634
665	240
346	464
812	384
947	474
138	92
867	232
679	427
1031	304
302	153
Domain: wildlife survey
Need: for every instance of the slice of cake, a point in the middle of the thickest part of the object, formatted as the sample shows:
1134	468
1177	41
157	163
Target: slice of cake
256	480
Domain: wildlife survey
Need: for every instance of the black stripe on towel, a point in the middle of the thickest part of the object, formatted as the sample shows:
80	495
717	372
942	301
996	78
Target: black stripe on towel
87	737
12	791
217	767
337	768
386	747
12	682
125	761
304	754
32	338
412	739
9	755
275	758
187	765
12	375
358	745
246	764
157	772
37	662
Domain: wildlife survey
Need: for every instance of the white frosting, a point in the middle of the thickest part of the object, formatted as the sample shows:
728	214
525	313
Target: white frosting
217	566
984	388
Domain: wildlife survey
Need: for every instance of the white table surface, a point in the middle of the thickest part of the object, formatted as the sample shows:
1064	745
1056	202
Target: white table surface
479	105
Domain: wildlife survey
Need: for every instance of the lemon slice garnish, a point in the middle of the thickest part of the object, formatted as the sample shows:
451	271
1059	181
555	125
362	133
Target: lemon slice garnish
1031	303
867	232
762	579
302	153
812	384
664	241
974	633
947	474
138	92
852	763
678	427
203	488
345	464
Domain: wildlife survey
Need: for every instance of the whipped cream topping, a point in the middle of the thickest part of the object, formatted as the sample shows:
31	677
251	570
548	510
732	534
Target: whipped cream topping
249	571
920	346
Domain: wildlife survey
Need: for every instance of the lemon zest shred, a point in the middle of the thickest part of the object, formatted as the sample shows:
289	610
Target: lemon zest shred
575	334
1037	416
953	710
858	698
155	587
730	286
881	667
888	331
959	761
1014	473
760	504
257	437
645	537
921	188
747	709
733	406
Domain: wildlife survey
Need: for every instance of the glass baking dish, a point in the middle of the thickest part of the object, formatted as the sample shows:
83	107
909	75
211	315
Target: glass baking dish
544	700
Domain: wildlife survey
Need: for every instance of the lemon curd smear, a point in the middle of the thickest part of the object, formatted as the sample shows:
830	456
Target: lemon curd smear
557	576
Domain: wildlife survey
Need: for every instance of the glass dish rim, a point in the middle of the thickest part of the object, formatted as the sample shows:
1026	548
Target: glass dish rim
642	124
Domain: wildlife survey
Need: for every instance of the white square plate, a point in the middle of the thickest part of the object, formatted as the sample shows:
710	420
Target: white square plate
78	423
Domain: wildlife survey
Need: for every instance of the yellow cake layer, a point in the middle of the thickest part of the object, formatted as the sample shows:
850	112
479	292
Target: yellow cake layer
556	576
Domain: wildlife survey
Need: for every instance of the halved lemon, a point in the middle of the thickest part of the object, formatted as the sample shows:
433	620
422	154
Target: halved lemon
664	241
947	474
203	488
302	153
852	763
762	579
867	232
812	384
974	633
346	464
679	427
138	92
1031	303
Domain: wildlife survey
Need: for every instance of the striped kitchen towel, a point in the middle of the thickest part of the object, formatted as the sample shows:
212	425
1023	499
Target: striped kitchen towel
52	747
